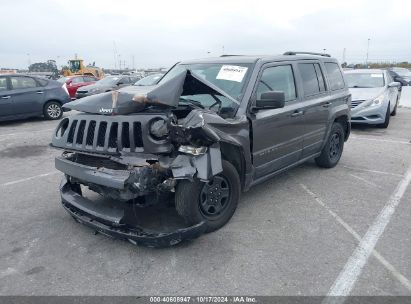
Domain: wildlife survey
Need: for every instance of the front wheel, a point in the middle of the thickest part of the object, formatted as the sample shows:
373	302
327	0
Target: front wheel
332	151
386	122
213	202
53	110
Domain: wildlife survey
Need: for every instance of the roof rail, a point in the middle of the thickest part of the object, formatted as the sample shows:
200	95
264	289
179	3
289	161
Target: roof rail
228	55
307	53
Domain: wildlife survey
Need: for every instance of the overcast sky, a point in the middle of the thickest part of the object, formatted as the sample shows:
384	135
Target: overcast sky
159	33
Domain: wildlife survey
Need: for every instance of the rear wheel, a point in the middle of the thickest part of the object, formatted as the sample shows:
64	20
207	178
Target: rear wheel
213	202
386	122
332	151
53	110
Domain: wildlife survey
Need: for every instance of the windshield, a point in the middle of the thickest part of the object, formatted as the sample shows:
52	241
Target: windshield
231	78
108	81
149	80
364	80
403	72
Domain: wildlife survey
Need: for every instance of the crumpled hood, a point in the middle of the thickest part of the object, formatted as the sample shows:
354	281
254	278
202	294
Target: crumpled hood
365	93
94	86
133	99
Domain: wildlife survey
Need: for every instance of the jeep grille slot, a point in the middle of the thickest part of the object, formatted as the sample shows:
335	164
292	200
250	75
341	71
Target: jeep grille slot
137	135
70	136
101	136
112	137
125	136
90	133
80	132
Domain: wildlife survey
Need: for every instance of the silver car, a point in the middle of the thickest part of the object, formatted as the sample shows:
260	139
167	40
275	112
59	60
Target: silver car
375	96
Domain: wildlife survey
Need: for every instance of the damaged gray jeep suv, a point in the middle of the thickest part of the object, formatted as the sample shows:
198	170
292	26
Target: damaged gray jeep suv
208	130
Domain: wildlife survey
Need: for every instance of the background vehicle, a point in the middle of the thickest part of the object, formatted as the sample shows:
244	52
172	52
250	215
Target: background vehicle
401	75
75	82
375	96
76	67
24	96
206	131
105	85
149	80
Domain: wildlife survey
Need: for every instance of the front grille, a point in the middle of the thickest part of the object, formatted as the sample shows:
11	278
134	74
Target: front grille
98	162
101	135
355	103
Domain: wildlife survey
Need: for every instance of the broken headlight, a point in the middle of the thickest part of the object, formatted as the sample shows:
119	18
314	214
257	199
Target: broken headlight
158	128
192	150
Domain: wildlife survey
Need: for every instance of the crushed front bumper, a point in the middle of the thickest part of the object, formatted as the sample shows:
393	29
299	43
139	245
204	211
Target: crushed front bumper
109	221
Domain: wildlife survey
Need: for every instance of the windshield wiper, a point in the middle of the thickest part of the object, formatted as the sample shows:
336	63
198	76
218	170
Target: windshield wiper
192	102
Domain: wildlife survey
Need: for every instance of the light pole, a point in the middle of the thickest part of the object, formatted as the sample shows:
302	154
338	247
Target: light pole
368	48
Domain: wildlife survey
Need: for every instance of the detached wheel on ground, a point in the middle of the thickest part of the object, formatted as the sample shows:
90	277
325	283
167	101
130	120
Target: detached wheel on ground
331	153
386	122
53	110
213	202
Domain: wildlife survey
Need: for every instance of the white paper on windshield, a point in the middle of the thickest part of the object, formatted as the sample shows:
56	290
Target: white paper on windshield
232	73
376	75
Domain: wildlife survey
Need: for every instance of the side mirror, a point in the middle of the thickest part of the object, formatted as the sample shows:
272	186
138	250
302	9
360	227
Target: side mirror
271	100
394	84
397	78
119	83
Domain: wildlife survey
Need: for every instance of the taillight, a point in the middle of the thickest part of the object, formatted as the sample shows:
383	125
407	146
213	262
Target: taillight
64	86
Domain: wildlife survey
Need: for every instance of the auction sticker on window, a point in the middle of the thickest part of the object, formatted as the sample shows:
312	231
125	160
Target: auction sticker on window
232	73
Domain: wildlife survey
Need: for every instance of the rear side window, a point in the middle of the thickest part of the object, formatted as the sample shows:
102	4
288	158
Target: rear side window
278	78
77	80
3	84
23	83
334	76
43	82
312	77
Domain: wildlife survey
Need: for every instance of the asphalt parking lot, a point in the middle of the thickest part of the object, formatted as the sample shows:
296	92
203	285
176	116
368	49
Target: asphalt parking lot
305	232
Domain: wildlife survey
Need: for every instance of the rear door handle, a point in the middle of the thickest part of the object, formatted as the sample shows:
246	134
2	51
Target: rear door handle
297	113
5	97
327	104
39	92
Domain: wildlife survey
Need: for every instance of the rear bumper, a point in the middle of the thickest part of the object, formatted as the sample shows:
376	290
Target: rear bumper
109	221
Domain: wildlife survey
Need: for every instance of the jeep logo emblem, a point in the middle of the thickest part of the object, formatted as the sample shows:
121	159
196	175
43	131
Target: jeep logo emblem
102	110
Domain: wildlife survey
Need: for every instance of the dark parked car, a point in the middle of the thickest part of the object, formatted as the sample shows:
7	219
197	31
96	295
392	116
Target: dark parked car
207	131
105	85
73	83
401	75
27	96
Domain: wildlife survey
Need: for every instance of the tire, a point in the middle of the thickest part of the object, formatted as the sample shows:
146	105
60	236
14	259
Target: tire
386	122
394	112
332	151
53	110
193	202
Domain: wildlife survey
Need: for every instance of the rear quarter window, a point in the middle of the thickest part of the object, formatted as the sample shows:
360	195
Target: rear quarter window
335	76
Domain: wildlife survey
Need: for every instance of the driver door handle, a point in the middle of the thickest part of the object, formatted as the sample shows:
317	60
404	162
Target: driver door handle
327	104
39	92
5	97
297	113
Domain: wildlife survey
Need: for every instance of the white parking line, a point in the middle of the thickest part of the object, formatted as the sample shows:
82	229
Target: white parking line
355	264
28	178
373	171
365	181
382	140
395	273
